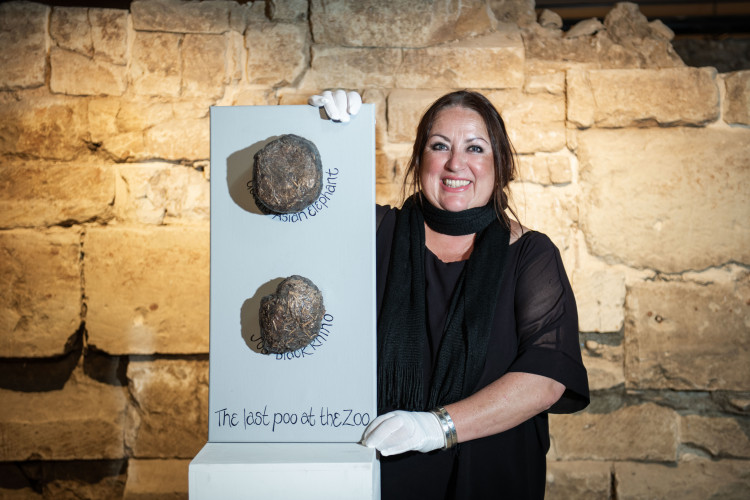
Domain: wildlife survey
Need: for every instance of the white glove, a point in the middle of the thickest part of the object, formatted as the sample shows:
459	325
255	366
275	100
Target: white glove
400	431
339	104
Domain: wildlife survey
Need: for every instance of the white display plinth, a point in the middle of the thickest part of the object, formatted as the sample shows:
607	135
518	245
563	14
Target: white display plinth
272	471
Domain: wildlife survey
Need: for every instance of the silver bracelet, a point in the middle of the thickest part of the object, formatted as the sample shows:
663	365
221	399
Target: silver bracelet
446	423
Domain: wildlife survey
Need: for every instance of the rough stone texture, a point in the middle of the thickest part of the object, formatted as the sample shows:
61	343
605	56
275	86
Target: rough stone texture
144	131
535	122
628	40
643	432
156	64
737	100
95	33
288	10
520	12
721	437
399	23
80	480
549	210
604	364
162	389
40	126
337	67
600	295
44	194
545	169
75	74
161	193
40	295
497	61
696	480
277	53
580	480
151	479
405	108
204	71
687	336
180	17
662	213
627	98
151	299
63	424
22	44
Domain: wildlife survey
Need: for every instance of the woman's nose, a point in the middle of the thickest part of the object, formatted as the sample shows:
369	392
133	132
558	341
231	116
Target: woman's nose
455	162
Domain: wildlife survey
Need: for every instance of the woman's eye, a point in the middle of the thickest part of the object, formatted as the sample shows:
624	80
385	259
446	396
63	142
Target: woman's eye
439	146
476	149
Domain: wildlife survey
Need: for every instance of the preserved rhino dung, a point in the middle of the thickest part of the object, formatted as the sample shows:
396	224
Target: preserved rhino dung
291	317
287	174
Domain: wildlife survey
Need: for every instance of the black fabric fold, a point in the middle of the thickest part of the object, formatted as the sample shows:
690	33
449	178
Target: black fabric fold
402	330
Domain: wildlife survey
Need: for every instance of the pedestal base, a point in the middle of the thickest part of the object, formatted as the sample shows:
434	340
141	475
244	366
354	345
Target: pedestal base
269	471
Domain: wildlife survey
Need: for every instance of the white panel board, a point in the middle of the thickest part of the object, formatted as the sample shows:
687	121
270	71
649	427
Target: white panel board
325	392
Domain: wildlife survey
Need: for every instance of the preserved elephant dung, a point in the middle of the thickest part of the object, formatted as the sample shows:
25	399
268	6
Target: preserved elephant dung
287	174
291	317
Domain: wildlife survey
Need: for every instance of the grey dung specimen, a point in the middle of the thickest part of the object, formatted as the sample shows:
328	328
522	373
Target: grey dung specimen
287	174
291	318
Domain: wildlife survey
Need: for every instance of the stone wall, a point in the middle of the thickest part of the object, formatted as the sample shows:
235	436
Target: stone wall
636	165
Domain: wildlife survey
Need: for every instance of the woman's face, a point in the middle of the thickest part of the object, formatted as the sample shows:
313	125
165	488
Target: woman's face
458	167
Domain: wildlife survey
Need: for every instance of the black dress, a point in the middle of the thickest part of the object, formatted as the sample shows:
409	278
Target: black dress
535	330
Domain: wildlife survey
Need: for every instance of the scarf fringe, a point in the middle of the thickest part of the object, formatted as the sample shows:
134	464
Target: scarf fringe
400	380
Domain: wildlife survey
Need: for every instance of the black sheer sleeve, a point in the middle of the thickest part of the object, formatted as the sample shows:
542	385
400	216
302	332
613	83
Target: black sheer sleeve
547	323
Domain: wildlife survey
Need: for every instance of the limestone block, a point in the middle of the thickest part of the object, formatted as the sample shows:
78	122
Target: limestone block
157	193
277	52
600	296
178	16
405	109
633	212
642	432
288	10
737	99
378	98
535	122
548	210
604	365
179	139
721	437
628	98
40	296
545	169
42	126
156	62
149	479
520	12
399	23
170	417
582	480
82	421
204	68
94	480
391	163
76	74
550	81
151	298
109	32
686	336
695	480
45	194
491	61
70	29
388	194
23	34
339	67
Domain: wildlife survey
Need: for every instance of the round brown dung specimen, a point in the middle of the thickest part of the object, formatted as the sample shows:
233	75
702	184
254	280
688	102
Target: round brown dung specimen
287	174
290	318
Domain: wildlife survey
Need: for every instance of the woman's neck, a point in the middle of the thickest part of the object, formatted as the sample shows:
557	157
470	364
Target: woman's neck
448	248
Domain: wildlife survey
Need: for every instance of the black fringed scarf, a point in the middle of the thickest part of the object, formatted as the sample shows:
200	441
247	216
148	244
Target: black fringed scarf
402	325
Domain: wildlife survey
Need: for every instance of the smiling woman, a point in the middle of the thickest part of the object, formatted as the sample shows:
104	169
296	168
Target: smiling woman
477	324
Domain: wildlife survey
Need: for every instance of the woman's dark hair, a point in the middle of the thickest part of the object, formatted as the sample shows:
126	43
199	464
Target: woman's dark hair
502	149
